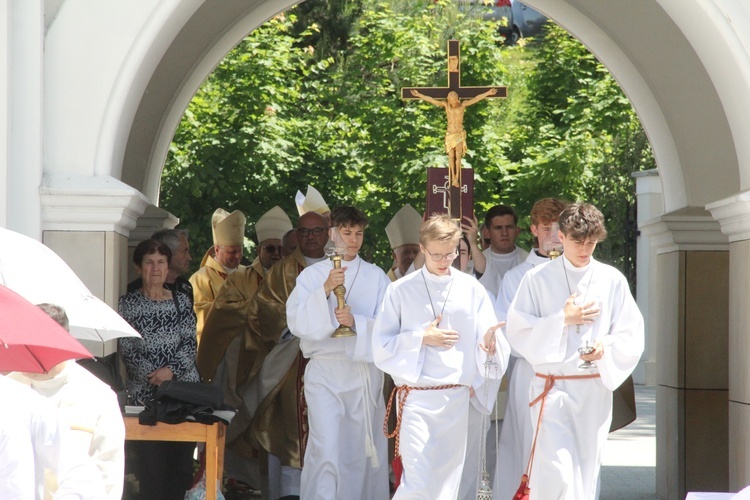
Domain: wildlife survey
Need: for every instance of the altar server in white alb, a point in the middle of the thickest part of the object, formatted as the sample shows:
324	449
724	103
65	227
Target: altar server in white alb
561	306
517	429
433	335
346	454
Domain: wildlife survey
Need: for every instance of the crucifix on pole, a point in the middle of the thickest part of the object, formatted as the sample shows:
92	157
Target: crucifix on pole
454	99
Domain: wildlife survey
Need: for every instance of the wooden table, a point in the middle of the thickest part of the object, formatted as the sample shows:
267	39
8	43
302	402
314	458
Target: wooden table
213	435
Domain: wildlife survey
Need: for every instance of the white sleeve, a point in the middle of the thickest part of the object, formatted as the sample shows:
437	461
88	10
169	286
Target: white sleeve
624	344
108	447
307	312
77	476
539	339
397	350
364	323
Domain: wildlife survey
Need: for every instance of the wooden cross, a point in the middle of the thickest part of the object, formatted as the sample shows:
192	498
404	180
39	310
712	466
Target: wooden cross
434	94
454	81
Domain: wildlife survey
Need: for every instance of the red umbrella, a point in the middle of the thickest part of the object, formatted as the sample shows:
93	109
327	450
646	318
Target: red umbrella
31	341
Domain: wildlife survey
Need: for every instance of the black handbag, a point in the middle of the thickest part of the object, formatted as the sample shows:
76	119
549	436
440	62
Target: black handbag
176	402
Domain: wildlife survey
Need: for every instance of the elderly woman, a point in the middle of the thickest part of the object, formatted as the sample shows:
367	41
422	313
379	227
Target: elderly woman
166	351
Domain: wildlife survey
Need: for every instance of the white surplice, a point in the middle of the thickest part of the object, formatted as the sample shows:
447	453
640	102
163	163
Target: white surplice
346	454
434	423
33	439
577	413
91	410
497	264
517	429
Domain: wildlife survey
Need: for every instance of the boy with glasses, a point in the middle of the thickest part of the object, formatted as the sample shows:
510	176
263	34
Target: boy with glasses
346	452
433	334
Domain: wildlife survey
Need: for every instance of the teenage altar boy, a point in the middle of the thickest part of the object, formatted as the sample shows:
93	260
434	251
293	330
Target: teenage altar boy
346	450
433	336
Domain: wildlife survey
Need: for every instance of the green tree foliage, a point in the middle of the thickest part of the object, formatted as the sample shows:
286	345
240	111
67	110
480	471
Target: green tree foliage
578	138
298	102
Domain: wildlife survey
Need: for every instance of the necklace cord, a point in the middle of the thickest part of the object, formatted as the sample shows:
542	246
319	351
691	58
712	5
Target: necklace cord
450	287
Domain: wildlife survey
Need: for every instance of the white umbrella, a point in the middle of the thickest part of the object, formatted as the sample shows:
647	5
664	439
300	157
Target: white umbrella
39	275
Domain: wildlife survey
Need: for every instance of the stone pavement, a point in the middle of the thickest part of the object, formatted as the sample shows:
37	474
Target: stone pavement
629	463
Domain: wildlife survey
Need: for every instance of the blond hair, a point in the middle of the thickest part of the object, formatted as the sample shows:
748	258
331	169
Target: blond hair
439	227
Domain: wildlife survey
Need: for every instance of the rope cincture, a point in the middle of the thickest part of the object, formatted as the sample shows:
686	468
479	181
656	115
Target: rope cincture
549	383
401	392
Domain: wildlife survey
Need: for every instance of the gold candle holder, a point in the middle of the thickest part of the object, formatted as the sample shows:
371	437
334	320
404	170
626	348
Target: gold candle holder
554	253
340	293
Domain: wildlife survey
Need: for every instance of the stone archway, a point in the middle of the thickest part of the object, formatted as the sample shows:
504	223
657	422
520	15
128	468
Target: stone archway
94	92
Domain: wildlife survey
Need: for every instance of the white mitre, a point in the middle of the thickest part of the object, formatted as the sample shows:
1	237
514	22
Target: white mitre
272	225
403	229
311	202
228	229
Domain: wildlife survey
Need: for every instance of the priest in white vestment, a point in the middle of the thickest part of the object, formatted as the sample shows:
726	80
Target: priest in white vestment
561	306
346	454
517	430
32	440
433	336
90	409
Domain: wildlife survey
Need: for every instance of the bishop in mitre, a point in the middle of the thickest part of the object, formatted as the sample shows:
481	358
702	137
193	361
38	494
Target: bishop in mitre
312	201
275	397
403	236
221	260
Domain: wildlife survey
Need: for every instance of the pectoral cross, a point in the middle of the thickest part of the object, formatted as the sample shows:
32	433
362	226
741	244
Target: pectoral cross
455	138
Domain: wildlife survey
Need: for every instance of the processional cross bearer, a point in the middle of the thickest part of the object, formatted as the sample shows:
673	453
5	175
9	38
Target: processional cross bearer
450	98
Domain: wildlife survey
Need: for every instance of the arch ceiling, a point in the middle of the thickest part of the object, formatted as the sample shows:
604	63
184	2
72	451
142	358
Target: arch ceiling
686	71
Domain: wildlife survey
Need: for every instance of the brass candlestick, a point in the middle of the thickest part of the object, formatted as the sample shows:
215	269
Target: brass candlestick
340	292
554	253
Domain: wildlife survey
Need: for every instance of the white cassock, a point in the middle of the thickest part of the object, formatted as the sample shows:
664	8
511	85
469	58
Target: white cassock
33	439
346	454
517	430
92	412
577	413
434	422
497	265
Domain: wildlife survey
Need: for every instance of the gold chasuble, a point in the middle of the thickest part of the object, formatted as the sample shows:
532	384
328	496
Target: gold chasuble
392	274
275	367
206	283
226	319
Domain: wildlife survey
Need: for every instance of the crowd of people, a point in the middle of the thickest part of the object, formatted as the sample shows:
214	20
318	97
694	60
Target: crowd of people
467	340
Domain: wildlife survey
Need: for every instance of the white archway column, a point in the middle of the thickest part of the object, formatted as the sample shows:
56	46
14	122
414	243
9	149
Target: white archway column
650	205
21	90
87	221
734	215
689	309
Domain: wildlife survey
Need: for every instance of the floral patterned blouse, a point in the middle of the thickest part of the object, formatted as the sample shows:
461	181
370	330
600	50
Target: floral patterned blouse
168	340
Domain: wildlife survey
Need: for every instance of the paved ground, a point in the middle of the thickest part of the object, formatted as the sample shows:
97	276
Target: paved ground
629	465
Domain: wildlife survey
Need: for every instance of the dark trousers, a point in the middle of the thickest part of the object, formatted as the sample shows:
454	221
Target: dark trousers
164	469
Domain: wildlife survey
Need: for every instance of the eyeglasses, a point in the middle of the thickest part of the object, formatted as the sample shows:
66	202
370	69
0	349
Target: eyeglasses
316	231
273	248
437	257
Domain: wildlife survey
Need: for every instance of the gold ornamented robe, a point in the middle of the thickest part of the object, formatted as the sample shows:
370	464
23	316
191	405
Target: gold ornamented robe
227	318
273	393
207	282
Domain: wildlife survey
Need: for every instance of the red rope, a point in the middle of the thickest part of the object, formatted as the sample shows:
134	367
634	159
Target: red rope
549	383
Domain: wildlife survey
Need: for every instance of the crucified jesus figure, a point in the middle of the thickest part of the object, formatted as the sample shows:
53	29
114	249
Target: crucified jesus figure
455	135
